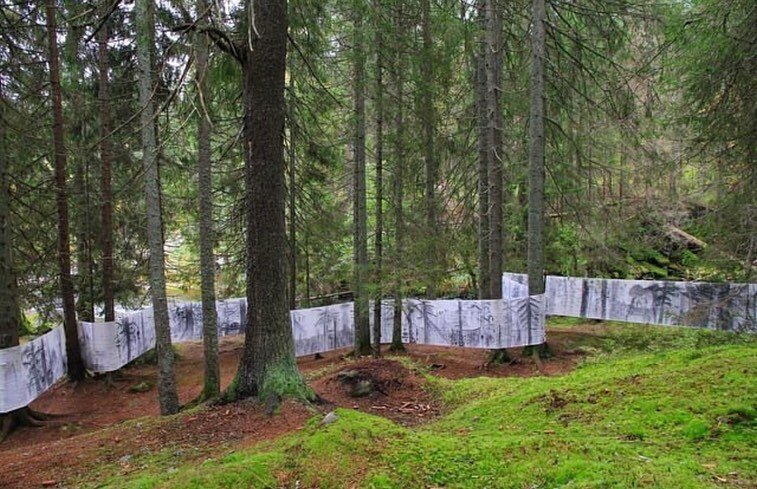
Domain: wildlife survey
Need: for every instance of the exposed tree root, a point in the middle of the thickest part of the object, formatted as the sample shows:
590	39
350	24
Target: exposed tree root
397	347
498	357
541	350
22	417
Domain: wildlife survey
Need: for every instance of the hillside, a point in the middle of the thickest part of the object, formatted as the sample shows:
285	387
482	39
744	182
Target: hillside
666	409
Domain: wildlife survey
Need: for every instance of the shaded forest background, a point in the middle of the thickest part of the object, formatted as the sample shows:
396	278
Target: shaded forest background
650	144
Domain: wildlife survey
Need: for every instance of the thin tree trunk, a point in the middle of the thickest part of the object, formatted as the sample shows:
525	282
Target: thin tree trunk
267	368
484	279
212	385
493	57
431	167
168	397
398	81
106	209
9	308
85	307
307	270
535	260
362	327
8	301
75	364
536	155
379	242
292	190
82	222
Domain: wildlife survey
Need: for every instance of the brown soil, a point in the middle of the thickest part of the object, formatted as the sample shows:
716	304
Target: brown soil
99	422
398	392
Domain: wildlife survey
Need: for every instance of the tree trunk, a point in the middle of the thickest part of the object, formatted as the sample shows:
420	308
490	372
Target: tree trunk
267	368
379	242
493	57
292	191
212	385
10	312
168	397
536	155
398	81
75	364
484	279
82	220
8	301
106	209
362	327
536	163
428	120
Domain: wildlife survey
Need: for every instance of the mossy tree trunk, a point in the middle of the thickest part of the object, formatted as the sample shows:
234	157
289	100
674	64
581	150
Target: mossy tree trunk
267	369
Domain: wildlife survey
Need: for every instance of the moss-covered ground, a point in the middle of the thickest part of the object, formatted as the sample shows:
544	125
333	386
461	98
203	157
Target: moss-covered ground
649	407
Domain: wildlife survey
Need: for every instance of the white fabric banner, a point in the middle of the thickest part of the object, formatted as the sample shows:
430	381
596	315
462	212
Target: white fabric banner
28	370
722	306
518	320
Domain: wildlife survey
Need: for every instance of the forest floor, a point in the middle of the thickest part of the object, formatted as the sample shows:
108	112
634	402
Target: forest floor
105	431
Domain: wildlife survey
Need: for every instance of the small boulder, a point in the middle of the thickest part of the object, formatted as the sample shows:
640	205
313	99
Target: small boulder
346	376
143	386
329	418
362	388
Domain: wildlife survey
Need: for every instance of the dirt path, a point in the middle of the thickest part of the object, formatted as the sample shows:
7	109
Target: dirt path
101	423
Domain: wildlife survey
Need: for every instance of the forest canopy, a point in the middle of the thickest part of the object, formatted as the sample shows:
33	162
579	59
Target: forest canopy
649	129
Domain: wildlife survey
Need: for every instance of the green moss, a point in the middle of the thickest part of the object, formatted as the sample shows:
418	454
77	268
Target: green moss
672	410
284	380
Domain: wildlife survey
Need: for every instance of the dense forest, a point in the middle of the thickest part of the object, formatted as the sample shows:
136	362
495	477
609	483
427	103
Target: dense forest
312	152
398	110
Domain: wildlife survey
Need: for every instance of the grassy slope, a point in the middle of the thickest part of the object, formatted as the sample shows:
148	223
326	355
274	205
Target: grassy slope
668	408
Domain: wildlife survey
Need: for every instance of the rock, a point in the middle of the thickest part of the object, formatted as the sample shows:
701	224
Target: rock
346	376
362	388
143	386
329	418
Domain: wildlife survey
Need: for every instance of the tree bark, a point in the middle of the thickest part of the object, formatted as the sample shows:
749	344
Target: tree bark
398	81
80	202
535	259
428	119
267	368
212	385
10	312
362	326
292	190
492	58
106	191
8	301
379	242
536	155
75	364
484	279
168	397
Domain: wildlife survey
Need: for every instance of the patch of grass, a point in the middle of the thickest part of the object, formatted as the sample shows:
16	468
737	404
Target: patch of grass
672	410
